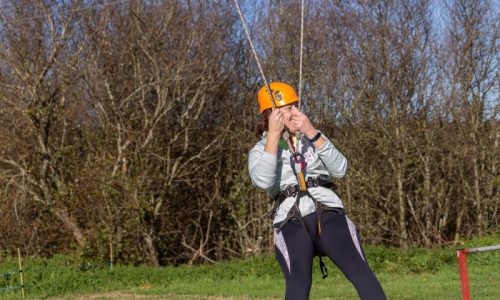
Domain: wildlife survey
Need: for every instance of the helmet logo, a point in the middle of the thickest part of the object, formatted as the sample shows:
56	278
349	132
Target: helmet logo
278	96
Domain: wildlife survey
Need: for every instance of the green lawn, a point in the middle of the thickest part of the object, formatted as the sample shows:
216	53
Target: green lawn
412	274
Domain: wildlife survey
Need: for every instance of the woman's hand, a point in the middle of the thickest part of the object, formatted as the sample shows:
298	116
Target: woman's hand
302	123
276	122
276	127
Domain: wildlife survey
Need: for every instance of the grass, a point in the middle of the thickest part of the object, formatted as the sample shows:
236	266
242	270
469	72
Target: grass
411	274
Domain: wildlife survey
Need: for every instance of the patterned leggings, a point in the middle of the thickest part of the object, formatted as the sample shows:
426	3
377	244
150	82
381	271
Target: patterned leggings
296	245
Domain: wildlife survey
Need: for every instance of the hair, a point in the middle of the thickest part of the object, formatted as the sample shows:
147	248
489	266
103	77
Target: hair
263	123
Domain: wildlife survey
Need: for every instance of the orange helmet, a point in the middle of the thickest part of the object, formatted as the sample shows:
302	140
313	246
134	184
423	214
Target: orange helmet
283	94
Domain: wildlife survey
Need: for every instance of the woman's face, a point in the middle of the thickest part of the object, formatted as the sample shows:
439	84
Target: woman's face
287	113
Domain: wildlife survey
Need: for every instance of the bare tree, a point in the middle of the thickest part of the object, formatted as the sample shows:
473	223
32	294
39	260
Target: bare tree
39	57
129	123
472	51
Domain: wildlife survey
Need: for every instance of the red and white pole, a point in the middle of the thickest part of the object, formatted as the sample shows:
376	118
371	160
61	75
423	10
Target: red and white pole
462	266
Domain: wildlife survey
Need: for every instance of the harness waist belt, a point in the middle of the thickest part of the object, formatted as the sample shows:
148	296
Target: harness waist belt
312	182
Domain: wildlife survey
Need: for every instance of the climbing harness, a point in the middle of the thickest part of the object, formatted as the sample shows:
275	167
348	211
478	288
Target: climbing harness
300	190
294	212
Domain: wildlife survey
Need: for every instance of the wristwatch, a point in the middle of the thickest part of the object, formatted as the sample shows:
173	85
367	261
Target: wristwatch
316	137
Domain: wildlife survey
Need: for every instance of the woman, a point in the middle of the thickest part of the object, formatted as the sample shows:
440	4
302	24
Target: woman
309	218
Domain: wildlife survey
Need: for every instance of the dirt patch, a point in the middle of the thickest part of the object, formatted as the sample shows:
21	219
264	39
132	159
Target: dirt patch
132	296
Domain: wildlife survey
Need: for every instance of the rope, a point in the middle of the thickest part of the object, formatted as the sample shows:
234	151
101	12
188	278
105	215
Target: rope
299	134
301	51
254	52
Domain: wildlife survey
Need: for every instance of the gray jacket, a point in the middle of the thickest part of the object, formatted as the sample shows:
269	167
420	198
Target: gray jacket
273	173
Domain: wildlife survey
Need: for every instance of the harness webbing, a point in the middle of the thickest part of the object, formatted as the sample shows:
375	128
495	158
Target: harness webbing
294	212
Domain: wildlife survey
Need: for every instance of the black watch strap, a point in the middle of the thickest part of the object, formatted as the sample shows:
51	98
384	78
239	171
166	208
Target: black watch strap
316	137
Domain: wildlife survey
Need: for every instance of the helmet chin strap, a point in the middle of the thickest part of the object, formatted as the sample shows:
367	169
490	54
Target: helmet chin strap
298	137
286	135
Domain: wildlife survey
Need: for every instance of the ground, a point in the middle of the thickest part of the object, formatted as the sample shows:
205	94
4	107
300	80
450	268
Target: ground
132	296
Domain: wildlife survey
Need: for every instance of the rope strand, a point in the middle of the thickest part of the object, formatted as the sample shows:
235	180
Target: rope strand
301	52
299	134
254	52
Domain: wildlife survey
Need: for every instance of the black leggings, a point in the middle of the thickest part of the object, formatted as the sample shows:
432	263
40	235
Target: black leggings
296	245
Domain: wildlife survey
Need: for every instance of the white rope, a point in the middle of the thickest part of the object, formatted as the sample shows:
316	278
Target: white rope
254	52
299	134
301	52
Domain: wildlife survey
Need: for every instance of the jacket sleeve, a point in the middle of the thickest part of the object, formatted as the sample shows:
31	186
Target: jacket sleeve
334	161
262	167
